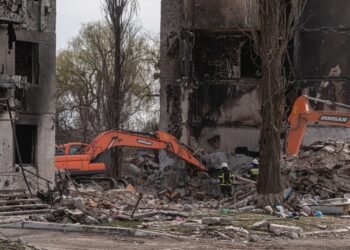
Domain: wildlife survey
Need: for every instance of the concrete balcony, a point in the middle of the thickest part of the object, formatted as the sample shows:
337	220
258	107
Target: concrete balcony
14	86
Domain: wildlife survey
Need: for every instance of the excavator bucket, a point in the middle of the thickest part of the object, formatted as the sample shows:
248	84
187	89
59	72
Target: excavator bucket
180	150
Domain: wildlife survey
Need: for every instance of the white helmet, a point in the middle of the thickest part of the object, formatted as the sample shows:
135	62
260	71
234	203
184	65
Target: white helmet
255	162
224	165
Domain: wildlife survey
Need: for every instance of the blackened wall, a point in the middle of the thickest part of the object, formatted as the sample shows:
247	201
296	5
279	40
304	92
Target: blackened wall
209	80
322	56
204	93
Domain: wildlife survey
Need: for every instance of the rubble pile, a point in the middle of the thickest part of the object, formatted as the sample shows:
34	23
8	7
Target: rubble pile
321	171
187	209
145	171
91	204
171	181
88	204
191	208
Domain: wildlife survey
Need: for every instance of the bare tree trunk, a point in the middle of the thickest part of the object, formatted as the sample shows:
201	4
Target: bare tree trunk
114	8
278	20
269	182
119	14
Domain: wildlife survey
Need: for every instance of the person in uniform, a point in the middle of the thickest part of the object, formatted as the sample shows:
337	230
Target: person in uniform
254	170
226	180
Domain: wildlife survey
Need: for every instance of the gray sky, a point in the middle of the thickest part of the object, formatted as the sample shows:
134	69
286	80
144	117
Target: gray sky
71	14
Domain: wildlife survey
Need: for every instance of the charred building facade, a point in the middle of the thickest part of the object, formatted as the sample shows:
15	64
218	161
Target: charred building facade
210	73
27	92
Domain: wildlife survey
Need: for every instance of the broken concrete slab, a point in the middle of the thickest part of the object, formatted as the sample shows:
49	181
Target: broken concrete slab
238	230
79	202
329	149
83	228
331	210
326	232
75	215
260	225
338	206
25	212
278	229
89	220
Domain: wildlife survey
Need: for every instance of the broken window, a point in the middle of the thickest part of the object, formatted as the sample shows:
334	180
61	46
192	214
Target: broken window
250	62
27	61
216	56
27	142
247	152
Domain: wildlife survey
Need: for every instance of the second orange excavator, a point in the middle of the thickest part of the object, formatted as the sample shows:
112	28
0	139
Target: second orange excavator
302	114
80	158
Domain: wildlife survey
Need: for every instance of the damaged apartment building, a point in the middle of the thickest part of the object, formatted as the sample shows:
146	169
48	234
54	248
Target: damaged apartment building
27	92
210	73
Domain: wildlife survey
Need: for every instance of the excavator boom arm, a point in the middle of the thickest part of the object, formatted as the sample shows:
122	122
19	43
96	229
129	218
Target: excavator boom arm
160	141
301	115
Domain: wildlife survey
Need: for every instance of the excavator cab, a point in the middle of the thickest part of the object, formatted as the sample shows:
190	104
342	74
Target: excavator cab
75	149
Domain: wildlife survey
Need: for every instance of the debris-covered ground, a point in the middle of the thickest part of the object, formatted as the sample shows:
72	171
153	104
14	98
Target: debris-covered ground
316	201
187	217
50	240
319	178
14	245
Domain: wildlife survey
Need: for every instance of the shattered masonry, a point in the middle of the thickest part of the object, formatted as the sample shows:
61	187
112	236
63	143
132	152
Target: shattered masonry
13	11
27	76
209	80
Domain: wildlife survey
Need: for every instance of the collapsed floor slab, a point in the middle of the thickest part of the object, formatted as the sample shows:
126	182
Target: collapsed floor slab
87	229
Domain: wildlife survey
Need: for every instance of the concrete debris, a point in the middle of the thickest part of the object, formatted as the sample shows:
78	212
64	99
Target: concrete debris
336	206
283	229
171	181
327	232
254	238
268	210
83	228
238	230
294	236
214	160
260	225
329	149
171	199
91	220
240	163
321	172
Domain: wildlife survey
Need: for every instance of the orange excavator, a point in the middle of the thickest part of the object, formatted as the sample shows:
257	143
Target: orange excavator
79	158
302	114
